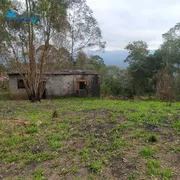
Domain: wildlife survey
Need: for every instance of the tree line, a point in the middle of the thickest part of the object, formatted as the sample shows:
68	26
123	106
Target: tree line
148	74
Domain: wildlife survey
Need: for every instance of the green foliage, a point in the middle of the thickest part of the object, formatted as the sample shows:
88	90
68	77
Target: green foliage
151	138
117	82
118	143
4	95
95	167
32	129
85	153
137	51
55	144
97	62
38	175
55	114
131	176
154	169
147	152
176	126
102	137
138	134
13	140
64	126
175	149
165	88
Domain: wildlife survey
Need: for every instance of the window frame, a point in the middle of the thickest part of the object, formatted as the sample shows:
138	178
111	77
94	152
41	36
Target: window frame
80	81
22	85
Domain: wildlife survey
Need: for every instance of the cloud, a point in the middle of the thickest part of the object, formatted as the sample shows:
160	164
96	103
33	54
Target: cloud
124	21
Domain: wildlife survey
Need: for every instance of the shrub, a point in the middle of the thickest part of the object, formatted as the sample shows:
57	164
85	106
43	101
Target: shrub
95	167
32	129
152	138
165	88
147	152
55	114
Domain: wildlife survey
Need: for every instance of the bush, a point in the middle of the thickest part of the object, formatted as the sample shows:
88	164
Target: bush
55	114
152	138
165	88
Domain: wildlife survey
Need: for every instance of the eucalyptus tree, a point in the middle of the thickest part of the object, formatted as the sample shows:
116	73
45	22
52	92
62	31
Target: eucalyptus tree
34	47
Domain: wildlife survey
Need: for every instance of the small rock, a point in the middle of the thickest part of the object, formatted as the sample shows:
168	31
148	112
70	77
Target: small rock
38	123
124	160
104	135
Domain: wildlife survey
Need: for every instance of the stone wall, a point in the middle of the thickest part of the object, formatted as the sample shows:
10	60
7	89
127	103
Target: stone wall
16	93
59	86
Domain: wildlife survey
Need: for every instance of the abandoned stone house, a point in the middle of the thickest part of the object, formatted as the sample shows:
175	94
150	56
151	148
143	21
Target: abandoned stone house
77	83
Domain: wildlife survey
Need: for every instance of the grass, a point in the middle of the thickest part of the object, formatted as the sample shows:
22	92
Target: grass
155	170
95	167
147	152
89	139
176	126
32	129
38	175
4	95
151	138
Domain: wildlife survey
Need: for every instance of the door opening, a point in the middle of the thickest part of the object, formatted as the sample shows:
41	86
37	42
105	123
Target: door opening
82	85
44	94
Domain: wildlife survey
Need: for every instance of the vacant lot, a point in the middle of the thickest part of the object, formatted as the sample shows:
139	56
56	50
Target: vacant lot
89	139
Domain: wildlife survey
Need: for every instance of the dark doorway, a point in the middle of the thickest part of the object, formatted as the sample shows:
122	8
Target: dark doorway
82	85
44	94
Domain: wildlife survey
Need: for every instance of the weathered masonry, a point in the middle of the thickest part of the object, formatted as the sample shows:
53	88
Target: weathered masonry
60	84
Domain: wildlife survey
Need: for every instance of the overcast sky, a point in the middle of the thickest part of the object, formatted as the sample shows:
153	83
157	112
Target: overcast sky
124	21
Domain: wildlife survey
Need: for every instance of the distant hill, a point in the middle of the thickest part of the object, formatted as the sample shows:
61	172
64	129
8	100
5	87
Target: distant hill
115	57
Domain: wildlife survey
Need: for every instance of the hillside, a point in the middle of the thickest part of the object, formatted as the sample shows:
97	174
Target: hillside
89	139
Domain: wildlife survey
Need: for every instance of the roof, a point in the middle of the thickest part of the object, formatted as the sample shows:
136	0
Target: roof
65	72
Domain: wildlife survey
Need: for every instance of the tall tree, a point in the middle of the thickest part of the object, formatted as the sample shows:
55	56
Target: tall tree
138	53
97	62
82	60
171	48
138	50
84	31
33	47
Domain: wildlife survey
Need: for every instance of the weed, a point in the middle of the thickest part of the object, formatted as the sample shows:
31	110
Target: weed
77	121
138	134
64	126
32	158
55	114
55	137
154	169
147	152
131	176
166	174
95	167
38	175
13	140
153	166
74	169
176	126
151	138
32	129
175	149
84	154
55	144
117	143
